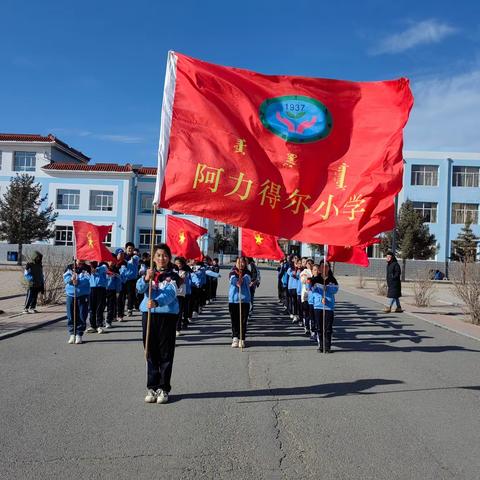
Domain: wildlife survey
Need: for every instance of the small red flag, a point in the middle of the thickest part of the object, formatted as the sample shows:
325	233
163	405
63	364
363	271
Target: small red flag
309	159
88	241
260	245
182	237
356	255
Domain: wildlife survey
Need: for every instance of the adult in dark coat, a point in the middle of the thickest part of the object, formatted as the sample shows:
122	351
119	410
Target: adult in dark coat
394	285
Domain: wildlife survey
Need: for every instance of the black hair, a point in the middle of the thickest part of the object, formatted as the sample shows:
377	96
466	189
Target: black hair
165	247
129	244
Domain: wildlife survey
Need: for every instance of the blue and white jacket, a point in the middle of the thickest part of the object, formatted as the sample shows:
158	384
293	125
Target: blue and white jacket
164	292
99	277
317	294
114	282
292	279
130	271
233	292
83	284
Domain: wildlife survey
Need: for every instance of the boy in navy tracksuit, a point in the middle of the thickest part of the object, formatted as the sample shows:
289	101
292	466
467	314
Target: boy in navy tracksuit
77	290
98	296
324	291
114	287
163	306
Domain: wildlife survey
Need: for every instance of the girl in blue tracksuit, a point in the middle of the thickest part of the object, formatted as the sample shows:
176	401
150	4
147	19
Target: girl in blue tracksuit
98	296
293	280
239	292
114	287
77	290
163	305
324	305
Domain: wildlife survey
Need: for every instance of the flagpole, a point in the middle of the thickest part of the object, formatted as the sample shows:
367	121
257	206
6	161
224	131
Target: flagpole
152	244
324	294
74	286
240	281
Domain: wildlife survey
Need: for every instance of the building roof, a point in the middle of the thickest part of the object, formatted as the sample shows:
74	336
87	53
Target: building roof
98	167
33	137
147	171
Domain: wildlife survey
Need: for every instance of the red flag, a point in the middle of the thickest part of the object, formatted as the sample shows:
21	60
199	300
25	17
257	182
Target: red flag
301	158
182	237
88	241
356	255
259	245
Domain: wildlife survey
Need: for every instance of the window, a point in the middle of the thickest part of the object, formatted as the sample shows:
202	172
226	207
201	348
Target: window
68	199
463	212
145	238
108	240
146	202
428	210
63	235
425	175
101	200
465	176
24	162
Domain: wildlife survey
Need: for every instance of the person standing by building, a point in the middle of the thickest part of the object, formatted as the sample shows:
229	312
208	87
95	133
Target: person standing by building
33	274
394	285
163	306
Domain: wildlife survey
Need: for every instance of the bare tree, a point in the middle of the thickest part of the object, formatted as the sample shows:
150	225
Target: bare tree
466	285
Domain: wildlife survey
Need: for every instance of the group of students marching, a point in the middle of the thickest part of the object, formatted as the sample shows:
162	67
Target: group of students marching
307	290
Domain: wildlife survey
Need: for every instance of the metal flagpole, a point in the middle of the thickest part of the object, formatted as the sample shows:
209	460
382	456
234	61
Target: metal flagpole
324	294
152	244
240	281
74	286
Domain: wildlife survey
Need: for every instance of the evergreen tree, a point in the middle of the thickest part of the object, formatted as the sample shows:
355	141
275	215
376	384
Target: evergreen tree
465	246
23	218
414	240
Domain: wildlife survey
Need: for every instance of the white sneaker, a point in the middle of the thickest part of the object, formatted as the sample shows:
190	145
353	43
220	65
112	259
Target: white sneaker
235	342
241	343
119	319
194	315
108	325
100	330
26	310
90	330
130	313
33	310
162	396
151	396
71	339
78	339
291	316
178	333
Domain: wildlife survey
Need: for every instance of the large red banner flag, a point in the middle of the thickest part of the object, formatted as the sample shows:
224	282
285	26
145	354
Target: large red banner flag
260	245
89	241
356	255
182	237
309	159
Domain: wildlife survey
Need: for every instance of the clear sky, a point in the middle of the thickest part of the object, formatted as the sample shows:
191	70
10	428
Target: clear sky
91	72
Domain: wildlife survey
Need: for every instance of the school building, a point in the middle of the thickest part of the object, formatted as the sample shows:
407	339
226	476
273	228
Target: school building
444	187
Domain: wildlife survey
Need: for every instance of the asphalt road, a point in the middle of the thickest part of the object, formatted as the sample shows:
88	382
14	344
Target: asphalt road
399	399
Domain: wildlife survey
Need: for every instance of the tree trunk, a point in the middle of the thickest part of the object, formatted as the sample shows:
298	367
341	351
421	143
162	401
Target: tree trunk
404	267
20	250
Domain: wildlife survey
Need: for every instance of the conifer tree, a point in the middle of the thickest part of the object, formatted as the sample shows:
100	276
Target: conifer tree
23	216
465	246
414	240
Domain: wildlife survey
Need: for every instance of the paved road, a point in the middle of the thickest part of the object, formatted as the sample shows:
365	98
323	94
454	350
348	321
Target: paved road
397	400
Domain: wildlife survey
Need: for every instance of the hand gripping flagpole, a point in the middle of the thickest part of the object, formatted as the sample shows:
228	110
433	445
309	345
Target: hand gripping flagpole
152	245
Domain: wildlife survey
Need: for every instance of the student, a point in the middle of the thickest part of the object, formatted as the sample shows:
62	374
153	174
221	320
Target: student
311	311
239	293
143	266
292	289
255	279
98	296
33	274
304	276
324	291
114	286
131	276
163	305
121	265
300	268
77	290
181	268
216	269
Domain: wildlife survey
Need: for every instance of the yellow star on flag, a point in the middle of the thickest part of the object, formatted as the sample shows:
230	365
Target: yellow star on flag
181	237
91	243
258	238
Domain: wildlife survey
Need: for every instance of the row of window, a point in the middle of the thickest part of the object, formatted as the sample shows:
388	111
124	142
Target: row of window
461	212
64	236
23	161
427	175
99	200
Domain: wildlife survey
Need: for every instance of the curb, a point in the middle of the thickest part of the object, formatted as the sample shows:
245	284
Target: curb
19	331
432	322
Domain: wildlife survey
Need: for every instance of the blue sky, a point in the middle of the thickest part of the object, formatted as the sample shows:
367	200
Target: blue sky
91	72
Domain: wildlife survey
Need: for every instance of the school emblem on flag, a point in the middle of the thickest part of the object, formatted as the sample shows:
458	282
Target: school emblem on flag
296	118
